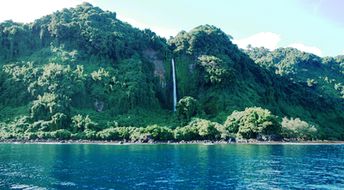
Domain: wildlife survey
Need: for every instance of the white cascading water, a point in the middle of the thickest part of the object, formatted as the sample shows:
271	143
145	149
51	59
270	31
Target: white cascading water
174	86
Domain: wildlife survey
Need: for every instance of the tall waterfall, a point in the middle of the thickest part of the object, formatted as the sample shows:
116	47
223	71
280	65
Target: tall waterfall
174	86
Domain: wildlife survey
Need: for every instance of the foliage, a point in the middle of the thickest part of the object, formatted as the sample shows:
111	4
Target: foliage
115	133
159	133
200	129
81	63
318	73
284	61
99	75
253	122
45	107
187	107
215	69
62	134
298	129
81	123
202	40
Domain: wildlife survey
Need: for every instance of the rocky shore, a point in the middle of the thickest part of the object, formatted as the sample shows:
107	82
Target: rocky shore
205	142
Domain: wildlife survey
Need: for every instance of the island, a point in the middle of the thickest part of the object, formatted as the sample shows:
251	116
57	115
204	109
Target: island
82	74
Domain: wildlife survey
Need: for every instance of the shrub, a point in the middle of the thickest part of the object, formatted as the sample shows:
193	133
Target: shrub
201	129
44	135
21	124
116	133
45	106
297	129
159	133
59	121
216	71
89	134
253	122
187	107
81	123
40	126
61	134
232	122
109	134
30	136
186	133
4	135
139	135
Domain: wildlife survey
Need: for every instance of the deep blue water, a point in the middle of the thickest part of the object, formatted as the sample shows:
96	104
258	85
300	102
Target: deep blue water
72	166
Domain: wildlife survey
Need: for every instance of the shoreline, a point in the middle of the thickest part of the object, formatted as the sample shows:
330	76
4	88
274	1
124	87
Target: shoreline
205	142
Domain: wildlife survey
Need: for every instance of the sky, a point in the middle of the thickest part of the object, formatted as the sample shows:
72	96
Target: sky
315	26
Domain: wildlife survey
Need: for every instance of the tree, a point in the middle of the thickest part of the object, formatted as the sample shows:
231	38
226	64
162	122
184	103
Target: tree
204	39
46	106
214	69
252	122
297	129
159	133
200	129
81	123
187	107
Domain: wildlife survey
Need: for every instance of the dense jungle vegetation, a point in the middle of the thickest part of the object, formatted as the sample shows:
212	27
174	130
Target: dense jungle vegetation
81	73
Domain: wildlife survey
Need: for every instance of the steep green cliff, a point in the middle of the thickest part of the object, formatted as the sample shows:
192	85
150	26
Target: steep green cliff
82	73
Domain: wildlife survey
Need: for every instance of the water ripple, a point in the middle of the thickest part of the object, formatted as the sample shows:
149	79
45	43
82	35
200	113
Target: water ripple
32	167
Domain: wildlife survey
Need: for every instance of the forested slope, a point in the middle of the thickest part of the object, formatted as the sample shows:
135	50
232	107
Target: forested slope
82	73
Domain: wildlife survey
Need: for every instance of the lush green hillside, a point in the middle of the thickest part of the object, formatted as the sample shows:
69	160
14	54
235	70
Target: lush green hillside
324	75
227	80
82	73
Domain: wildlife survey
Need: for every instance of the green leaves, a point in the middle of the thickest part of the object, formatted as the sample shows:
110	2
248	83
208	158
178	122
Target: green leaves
81	123
187	107
253	122
214	69
83	62
153	132
298	129
201	129
159	133
204	39
99	75
45	106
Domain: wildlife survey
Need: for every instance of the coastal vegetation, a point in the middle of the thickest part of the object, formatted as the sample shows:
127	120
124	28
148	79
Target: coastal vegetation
81	73
248	124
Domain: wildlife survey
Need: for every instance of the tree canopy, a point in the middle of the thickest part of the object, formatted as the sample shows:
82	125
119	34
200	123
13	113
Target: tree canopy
81	73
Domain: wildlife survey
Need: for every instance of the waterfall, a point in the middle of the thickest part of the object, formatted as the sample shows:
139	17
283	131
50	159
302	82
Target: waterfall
174	86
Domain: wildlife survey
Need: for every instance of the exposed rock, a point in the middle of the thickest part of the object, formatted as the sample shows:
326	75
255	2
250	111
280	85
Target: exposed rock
99	105
159	69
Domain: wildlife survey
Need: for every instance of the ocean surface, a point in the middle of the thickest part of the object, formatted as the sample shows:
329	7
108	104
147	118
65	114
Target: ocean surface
232	166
